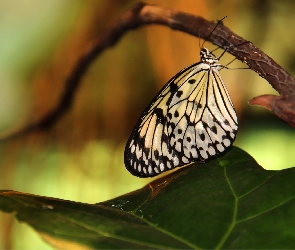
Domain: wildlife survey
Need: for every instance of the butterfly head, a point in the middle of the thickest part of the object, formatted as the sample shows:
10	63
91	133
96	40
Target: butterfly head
208	57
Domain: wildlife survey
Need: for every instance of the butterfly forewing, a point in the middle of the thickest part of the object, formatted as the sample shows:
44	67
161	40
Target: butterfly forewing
191	119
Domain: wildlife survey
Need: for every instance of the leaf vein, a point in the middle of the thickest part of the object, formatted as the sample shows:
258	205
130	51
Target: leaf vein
263	212
168	233
233	223
253	189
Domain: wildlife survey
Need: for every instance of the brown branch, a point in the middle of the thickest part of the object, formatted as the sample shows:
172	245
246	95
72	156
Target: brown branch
142	14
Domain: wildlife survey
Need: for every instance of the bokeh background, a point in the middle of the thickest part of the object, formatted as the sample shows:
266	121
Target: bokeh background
81	157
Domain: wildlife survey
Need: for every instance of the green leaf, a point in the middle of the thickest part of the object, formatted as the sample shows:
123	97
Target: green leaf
229	202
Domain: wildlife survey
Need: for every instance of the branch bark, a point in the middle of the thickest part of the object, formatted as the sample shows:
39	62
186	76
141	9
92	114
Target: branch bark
142	14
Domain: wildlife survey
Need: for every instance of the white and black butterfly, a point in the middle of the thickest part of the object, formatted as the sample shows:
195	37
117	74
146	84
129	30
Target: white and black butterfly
192	119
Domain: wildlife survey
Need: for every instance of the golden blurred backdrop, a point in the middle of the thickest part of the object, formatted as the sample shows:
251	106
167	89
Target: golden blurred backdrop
81	157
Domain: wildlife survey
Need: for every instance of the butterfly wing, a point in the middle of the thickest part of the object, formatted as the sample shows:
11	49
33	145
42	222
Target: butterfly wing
191	119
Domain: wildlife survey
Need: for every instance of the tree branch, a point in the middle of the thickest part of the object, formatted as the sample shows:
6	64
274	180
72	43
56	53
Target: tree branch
142	14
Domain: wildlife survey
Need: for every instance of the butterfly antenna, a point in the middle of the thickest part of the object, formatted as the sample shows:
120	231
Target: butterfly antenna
199	39
230	62
226	65
225	50
220	21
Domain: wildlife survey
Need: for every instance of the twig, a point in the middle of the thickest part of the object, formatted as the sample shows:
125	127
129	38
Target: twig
142	14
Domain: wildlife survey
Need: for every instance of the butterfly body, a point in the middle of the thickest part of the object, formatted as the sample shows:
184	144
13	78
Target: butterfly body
192	119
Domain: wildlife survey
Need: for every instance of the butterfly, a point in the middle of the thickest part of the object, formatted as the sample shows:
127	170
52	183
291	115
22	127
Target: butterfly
192	119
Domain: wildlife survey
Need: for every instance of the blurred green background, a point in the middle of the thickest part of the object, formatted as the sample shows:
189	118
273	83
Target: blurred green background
81	157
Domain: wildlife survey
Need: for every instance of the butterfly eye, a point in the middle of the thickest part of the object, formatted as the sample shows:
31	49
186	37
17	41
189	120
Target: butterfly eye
204	53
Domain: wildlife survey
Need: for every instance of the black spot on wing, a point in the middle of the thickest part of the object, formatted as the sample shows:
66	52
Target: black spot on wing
214	129
226	136
205	125
202	137
164	137
191	81
156	153
160	116
173	87
146	151
154	164
179	93
172	125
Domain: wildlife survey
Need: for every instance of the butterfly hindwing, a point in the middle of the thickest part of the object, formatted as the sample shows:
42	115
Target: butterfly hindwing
191	119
